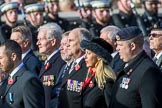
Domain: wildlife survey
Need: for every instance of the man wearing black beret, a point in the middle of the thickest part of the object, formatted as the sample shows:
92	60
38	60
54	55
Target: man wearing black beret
155	38
139	85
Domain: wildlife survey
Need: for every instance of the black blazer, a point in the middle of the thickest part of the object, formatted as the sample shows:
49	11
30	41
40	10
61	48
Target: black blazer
93	97
159	63
47	76
117	64
32	63
139	85
26	91
69	98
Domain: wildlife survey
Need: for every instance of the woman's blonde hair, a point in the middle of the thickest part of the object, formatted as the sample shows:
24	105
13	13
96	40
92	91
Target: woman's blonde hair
103	72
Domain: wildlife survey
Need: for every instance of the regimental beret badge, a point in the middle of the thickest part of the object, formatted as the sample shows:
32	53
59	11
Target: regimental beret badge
117	37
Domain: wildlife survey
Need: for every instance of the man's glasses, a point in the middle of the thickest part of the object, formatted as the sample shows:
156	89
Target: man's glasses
154	35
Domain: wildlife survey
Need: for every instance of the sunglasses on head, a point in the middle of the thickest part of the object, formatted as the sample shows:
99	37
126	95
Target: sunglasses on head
154	35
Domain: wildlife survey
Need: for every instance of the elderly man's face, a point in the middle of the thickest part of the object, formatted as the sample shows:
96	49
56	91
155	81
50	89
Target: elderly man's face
73	44
156	40
45	46
64	49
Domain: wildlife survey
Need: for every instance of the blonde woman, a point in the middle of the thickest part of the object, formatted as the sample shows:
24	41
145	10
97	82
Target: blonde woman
100	77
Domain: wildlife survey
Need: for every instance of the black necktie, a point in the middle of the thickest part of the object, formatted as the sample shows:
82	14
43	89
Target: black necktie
155	59
62	73
72	67
65	70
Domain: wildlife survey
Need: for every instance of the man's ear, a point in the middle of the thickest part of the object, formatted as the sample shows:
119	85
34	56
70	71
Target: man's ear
53	42
133	46
26	43
13	56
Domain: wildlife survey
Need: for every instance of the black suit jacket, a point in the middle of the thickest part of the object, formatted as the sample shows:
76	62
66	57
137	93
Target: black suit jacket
32	63
26	91
3	85
69	98
117	64
139	85
159	63
93	97
47	75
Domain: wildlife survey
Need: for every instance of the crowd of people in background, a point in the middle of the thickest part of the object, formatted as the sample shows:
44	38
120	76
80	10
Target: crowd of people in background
100	60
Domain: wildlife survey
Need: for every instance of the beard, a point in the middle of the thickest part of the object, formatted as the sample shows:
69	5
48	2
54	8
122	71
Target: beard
105	20
9	66
66	57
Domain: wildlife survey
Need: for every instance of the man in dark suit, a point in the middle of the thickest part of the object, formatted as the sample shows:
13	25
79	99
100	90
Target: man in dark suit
49	37
68	59
71	86
155	38
108	33
23	88
139	84
22	35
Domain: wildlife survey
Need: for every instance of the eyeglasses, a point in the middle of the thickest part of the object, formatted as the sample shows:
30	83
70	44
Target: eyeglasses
154	35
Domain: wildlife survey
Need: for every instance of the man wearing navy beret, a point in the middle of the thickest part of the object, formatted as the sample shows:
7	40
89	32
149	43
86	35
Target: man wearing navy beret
155	38
139	84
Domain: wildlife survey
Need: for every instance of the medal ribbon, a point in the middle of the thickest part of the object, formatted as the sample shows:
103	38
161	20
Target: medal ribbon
87	81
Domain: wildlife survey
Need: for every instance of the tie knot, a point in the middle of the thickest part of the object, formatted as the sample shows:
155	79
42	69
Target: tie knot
154	59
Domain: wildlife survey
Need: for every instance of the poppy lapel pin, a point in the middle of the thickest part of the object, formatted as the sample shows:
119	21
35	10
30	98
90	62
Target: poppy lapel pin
10	81
77	67
47	66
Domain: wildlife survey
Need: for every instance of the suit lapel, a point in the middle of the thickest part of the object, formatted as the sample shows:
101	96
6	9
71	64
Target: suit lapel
74	71
15	78
68	76
51	61
65	78
159	61
28	56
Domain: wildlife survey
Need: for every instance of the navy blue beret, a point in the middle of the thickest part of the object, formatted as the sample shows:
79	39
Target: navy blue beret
128	33
157	26
100	47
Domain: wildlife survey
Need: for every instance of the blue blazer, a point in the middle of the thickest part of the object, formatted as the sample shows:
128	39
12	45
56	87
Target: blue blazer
32	62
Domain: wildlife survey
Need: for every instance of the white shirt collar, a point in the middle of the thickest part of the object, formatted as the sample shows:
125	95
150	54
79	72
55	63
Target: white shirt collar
16	70
158	56
51	55
24	54
114	54
79	59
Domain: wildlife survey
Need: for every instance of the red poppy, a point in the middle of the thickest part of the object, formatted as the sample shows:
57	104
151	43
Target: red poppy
48	65
10	81
77	67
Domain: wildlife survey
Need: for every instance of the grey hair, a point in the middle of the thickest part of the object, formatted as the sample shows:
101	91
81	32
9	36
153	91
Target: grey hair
113	30
53	31
138	40
24	31
84	34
